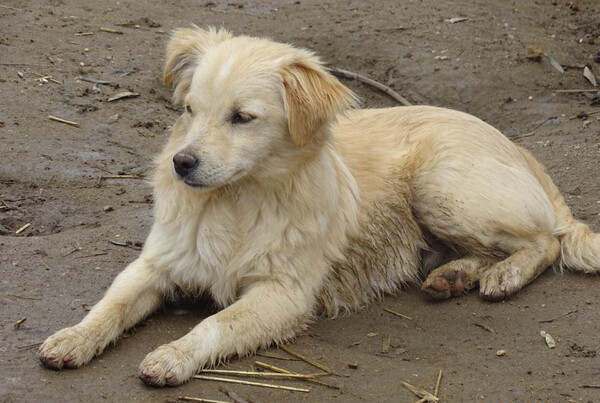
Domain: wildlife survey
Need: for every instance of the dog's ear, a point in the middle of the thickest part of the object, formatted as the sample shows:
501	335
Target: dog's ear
312	97
184	51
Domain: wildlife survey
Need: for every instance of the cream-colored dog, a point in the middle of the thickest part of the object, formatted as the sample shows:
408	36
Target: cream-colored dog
282	203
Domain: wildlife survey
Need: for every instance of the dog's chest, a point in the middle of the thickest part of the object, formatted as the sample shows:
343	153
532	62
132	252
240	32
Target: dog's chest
200	244
214	249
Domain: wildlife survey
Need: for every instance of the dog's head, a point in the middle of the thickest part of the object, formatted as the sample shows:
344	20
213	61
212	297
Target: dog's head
250	106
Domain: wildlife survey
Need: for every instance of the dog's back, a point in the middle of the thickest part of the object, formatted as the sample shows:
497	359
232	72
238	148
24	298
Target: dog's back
468	186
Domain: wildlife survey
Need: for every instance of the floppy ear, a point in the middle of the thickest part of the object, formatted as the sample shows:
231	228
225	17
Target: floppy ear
312	97
184	50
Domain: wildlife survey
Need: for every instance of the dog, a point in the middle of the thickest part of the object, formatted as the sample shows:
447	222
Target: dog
283	202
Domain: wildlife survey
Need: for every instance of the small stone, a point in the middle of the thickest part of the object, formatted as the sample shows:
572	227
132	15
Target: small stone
353	365
549	339
500	353
107	209
112	119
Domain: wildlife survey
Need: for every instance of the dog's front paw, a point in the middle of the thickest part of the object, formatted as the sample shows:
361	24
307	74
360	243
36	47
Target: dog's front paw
167	365
70	347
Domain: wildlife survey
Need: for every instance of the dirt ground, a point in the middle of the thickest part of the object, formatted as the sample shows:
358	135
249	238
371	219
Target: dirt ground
62	263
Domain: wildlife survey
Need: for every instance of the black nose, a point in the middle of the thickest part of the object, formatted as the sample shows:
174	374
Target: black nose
184	163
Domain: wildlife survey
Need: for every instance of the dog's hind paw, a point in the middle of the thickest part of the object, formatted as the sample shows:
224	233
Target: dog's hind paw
167	365
500	282
444	284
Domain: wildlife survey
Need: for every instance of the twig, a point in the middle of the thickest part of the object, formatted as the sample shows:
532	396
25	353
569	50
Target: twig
94	80
385	345
558	317
128	176
484	327
29	345
437	384
365	80
23	228
130	148
199	399
576	91
71	252
420	392
11	8
276	357
22	297
590	386
84	33
94	254
586	114
125	244
264	385
47	77
259	374
18	323
25	64
522	136
306	359
544	121
110	30
232	395
285	371
68	122
397	314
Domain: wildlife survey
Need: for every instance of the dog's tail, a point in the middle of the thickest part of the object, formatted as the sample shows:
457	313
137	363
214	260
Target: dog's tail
579	246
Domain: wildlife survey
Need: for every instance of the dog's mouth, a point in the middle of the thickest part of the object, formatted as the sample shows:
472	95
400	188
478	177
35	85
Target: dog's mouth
205	186
194	184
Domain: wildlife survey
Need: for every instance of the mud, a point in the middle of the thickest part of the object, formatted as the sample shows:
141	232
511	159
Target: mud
50	176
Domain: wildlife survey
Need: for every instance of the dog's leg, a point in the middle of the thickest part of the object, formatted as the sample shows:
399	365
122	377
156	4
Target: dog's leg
268	312
456	277
510	275
132	296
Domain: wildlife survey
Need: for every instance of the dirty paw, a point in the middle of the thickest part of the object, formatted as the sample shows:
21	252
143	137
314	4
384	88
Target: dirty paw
167	365
499	284
67	348
445	284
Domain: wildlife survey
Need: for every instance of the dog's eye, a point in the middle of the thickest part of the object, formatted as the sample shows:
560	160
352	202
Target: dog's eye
188	109
241	118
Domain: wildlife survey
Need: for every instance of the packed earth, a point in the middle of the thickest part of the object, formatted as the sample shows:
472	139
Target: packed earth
75	206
